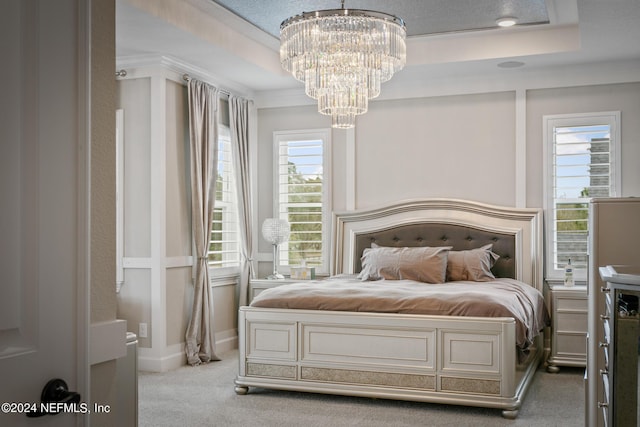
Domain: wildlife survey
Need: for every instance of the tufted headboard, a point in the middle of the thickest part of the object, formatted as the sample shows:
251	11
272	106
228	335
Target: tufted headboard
460	237
516	233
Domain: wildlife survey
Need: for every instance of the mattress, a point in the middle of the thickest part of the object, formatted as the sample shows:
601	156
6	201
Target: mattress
496	298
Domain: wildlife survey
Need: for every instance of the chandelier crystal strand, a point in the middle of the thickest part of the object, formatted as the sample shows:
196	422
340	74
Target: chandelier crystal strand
343	56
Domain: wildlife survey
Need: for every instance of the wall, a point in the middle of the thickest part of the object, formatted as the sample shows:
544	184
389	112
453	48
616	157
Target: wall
450	146
481	146
157	234
461	146
582	99
270	120
134	299
157	243
178	215
103	198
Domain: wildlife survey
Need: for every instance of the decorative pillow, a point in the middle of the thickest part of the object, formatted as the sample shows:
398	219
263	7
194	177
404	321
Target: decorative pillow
423	264
474	264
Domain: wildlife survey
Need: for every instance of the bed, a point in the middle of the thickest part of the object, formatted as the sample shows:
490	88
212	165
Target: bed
460	359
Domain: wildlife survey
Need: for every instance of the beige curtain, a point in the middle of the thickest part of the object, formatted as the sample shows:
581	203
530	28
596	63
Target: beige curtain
239	124
203	133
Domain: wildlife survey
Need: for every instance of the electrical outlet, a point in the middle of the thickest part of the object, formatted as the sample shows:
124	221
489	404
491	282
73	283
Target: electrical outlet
142	330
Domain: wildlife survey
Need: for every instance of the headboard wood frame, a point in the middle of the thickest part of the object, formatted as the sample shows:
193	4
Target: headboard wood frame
516	232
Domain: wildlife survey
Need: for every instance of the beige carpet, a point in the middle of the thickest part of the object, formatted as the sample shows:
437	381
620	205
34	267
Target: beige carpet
204	396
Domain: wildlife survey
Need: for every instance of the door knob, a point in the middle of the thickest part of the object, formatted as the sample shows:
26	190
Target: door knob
55	391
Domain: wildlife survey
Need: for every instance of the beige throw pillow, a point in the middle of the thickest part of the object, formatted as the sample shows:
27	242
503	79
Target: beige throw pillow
423	264
474	264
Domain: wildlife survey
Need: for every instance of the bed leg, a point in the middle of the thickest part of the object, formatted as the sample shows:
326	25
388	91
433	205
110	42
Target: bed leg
553	369
510	414
241	390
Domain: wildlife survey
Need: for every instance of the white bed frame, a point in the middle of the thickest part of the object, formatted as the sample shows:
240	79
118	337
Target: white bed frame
441	359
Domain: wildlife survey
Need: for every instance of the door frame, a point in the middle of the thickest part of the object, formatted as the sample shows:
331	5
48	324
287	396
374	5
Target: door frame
83	291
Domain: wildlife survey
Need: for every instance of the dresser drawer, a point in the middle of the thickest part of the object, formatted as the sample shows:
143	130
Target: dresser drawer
606	331
605	387
604	405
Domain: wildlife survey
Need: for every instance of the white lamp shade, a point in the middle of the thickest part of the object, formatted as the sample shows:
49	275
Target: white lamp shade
275	230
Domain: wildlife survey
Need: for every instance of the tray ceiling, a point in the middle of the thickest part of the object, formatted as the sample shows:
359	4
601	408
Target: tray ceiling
422	17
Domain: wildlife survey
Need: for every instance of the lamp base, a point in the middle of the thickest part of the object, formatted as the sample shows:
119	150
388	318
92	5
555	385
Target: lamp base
275	276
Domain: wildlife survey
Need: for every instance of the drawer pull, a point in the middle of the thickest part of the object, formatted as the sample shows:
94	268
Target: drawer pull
603	344
605	290
603	405
604	372
604	317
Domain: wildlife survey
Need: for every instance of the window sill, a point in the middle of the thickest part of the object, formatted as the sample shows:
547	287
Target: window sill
223	276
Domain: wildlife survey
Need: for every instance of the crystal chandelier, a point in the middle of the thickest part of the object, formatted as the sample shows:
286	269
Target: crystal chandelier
342	56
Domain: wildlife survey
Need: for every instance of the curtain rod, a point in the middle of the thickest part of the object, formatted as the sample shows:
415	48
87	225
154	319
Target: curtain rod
187	77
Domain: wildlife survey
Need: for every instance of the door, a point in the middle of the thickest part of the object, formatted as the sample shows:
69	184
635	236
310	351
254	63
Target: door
43	210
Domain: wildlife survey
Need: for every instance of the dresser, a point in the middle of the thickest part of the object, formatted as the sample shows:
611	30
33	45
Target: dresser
613	240
568	307
621	325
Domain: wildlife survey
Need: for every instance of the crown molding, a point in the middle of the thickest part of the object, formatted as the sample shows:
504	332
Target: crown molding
147	65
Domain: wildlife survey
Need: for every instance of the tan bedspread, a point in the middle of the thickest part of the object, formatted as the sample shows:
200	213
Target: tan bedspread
499	298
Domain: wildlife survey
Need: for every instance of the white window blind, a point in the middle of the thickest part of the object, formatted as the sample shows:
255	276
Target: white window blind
224	249
582	161
302	183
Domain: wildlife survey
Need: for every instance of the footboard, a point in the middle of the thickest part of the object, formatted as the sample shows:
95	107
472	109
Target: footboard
456	360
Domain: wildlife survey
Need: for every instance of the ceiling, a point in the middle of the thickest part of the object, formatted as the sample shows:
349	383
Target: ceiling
421	17
235	42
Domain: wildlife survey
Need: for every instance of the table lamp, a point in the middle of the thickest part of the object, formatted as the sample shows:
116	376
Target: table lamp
275	231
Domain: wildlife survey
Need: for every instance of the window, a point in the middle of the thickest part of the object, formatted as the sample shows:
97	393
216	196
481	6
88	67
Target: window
581	163
302	196
224	247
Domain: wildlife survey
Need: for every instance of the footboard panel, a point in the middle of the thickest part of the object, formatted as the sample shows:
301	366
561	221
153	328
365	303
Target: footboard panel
458	360
366	345
470	352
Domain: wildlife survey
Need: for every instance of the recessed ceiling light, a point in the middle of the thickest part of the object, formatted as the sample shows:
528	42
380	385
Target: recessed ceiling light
510	64
507	21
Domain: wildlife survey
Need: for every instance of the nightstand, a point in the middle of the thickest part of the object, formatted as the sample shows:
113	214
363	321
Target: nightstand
568	326
258	285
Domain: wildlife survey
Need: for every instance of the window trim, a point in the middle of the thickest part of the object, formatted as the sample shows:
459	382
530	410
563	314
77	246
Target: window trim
549	123
323	134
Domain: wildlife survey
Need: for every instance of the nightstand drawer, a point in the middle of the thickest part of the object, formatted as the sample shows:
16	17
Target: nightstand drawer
571	304
571	345
571	322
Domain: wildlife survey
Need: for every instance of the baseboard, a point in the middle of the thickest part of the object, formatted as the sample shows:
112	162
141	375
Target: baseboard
174	356
227	344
